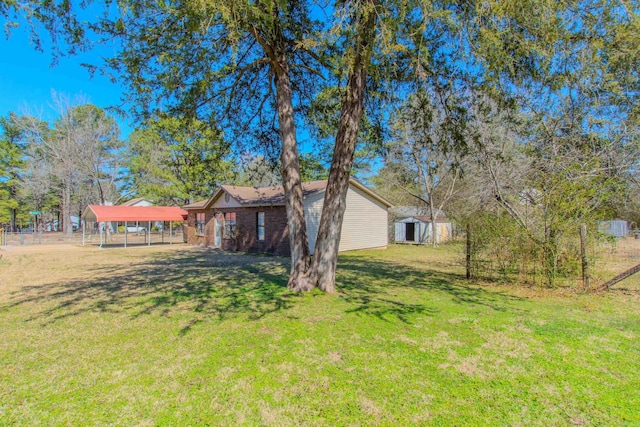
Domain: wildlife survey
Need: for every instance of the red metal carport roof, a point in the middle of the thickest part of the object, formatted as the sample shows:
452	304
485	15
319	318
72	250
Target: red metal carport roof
97	213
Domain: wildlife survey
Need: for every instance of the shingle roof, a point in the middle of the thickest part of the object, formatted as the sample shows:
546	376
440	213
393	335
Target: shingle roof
132	202
271	196
196	205
250	196
427	219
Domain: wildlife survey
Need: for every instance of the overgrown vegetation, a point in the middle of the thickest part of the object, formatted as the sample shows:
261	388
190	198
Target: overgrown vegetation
499	250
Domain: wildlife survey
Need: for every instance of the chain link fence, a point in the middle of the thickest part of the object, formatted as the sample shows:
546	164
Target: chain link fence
92	236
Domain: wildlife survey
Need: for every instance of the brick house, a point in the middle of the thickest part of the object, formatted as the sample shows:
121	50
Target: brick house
255	220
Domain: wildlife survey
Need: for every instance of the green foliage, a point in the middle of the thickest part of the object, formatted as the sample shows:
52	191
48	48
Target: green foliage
258	171
212	59
570	67
11	162
178	160
396	183
312	168
500	250
323	115
204	59
531	222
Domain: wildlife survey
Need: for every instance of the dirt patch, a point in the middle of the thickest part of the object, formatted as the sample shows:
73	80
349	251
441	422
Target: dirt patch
335	356
369	407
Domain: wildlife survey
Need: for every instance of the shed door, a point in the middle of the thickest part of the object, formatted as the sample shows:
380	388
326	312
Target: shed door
410	231
399	232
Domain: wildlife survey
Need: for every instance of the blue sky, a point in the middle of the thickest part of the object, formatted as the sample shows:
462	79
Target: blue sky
27	80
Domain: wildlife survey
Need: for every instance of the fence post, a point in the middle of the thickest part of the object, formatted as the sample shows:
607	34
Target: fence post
585	259
468	252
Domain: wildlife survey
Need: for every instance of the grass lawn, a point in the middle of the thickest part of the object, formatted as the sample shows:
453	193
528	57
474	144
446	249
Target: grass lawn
176	336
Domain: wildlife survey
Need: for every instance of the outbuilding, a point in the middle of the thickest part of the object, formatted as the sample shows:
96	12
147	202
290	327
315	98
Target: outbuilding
418	230
614	227
101	215
255	220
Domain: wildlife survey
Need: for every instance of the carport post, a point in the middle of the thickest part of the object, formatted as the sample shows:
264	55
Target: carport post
149	242
170	232
125	233
100	226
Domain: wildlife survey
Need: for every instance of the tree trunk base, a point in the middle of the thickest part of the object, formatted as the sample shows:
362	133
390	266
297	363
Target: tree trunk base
328	285
300	283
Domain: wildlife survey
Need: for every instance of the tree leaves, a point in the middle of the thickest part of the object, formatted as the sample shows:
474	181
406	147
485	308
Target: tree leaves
178	160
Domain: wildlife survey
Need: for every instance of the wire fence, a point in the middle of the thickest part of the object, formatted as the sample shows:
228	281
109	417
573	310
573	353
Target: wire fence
92	236
591	260
618	264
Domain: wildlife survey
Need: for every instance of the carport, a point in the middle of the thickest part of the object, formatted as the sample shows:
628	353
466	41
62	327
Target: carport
126	214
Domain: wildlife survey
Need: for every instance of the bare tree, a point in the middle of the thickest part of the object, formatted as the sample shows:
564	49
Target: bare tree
80	149
425	152
59	152
99	149
547	170
37	181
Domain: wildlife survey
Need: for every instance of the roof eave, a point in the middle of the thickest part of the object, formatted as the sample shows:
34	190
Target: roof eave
370	192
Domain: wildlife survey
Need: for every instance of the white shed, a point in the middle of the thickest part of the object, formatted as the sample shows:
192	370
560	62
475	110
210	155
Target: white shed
419	229
615	227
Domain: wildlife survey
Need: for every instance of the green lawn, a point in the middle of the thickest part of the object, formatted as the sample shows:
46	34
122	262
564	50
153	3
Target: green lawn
184	336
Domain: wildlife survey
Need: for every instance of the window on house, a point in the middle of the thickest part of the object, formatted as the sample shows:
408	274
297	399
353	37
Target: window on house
200	224
229	225
260	218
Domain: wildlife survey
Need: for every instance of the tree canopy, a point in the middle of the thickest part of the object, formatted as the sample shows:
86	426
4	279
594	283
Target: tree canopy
257	69
78	157
177	160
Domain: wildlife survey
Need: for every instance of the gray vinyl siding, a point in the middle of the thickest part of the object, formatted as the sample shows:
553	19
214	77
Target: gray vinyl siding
364	225
312	212
365	222
400	231
423	232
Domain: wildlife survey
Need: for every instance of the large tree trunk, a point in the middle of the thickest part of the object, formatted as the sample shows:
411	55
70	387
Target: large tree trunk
323	268
291	180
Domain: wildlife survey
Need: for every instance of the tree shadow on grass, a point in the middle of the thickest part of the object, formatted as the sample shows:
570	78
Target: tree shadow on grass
211	284
214	285
372	285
